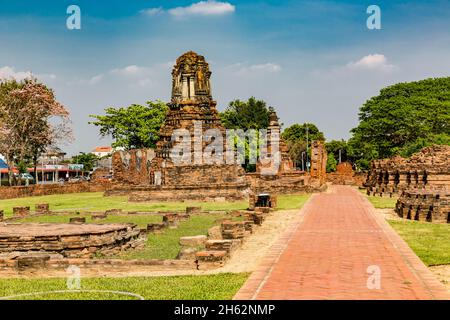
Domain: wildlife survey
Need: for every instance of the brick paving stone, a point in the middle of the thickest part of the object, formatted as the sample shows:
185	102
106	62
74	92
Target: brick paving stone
325	253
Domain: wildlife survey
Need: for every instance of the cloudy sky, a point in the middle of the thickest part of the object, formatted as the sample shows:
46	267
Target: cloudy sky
315	61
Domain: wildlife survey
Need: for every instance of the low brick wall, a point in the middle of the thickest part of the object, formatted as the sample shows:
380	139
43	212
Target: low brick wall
47	189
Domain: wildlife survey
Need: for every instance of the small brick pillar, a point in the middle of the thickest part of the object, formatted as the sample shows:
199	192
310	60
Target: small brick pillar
113	211
155	227
77	220
251	201
42	208
191	210
37	261
233	230
170	220
21	211
273	201
99	216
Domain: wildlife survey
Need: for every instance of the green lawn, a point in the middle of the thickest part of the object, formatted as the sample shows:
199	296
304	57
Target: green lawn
430	241
95	201
215	287
166	245
140	219
382	202
294	201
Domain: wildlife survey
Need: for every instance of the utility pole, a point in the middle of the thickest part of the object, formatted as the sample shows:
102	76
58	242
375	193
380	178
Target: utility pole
340	155
307	148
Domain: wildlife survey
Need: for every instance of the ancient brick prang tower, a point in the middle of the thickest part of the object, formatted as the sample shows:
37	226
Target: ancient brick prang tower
192	108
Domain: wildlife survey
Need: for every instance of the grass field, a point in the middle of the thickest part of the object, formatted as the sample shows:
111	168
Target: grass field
382	203
95	201
430	241
140	219
214	287
166	245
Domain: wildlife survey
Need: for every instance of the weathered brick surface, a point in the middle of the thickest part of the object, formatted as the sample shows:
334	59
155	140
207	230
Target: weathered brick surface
70	240
42	208
233	230
156	227
21	211
191	210
47	189
210	259
77	220
345	175
99	216
193	241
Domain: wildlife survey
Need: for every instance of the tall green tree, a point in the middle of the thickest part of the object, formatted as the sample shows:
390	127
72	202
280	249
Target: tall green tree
338	146
303	132
245	115
133	127
250	114
298	138
402	119
331	163
88	160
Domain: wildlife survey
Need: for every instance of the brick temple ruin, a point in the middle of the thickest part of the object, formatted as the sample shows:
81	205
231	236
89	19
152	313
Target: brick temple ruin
151	174
422	182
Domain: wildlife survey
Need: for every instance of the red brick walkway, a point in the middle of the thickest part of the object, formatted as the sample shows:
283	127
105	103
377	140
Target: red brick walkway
326	254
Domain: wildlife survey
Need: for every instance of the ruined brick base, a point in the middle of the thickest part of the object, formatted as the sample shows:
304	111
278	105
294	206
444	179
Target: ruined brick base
67	240
431	206
223	192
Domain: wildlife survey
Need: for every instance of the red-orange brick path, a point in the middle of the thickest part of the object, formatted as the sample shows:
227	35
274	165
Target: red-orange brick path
326	252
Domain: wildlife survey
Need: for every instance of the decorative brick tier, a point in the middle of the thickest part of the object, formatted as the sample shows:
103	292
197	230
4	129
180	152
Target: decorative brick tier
69	240
427	169
424	206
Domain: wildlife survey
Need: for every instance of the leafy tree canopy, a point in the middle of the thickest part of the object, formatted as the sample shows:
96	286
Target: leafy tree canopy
402	119
133	127
302	132
88	160
336	146
250	114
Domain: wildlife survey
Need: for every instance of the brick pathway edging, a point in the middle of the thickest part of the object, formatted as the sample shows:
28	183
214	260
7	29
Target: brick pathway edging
417	267
257	279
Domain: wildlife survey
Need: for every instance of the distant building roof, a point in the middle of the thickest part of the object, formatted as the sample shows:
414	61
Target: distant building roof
106	149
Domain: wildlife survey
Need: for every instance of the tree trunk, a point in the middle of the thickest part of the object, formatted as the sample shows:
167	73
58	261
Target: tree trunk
36	179
10	170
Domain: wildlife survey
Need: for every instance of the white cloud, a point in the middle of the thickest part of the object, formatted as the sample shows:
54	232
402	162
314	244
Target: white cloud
9	73
96	79
204	8
245	69
269	67
130	70
152	11
372	62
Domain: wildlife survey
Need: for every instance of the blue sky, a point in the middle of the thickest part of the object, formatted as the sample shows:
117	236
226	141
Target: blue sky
315	61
